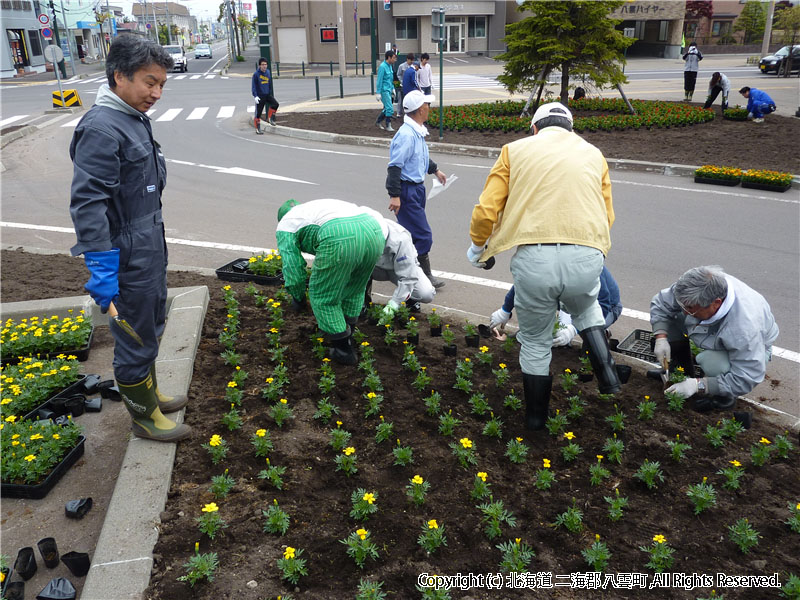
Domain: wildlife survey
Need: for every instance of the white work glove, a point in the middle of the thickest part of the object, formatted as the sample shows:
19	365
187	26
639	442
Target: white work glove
378	98
662	350
499	319
564	335
389	310
686	388
256	99
750	115
474	254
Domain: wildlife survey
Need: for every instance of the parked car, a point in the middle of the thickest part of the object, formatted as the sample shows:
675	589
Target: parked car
202	51
179	56
773	61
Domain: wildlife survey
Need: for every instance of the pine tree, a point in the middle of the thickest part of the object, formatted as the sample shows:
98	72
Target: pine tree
752	21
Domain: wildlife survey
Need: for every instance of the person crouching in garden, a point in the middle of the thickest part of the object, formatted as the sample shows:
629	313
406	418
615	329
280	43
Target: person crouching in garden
758	103
719	83
347	241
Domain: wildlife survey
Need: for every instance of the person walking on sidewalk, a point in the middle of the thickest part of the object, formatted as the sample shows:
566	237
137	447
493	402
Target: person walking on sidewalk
409	161
719	83
383	91
424	75
758	103
263	94
692	57
115	205
549	197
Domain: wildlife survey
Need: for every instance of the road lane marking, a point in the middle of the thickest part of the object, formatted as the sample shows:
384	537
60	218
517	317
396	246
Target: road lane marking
226	112
170	114
195	77
197	113
10	120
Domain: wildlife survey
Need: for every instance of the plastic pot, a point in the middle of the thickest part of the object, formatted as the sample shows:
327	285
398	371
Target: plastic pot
744	417
90	383
624	373
450	350
75	405
484	331
25	564
49	551
15	591
585	377
78	563
436	331
77	509
58	406
473	341
59	588
108	390
413	339
93	404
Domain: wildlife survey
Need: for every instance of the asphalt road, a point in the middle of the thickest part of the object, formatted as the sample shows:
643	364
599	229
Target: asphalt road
225	186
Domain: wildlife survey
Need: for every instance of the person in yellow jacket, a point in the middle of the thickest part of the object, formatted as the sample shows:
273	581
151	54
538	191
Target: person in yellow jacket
549	196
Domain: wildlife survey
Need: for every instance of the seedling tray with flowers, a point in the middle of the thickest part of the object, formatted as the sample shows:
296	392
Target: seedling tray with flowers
328	479
265	268
29	385
46	337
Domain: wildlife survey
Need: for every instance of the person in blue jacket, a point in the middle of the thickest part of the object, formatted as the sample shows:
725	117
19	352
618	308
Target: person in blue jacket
608	298
115	205
263	94
383	91
410	82
758	103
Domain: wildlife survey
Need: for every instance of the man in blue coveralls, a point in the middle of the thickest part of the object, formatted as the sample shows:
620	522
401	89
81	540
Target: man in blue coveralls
405	180
119	175
383	91
758	103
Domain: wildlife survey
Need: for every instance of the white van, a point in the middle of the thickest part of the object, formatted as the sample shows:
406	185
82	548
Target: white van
179	56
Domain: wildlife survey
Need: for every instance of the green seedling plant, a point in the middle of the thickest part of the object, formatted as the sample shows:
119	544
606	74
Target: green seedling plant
364	504
743	535
484	357
661	554
367	352
422	380
346	461
233	393
325	410
326	384
291	565
370	590
433	404
714	436
678	448
494	515
276	519
200	566
417	489
703	496
597	555
390	335
512	401
794	517
576	407
281	412
759	453
339	438
517	451
262	442
517	555
360	547
501	375
675	401
470	330
403	455
432	536
557	423
597	472
732	475
617	420
586	364
464	451
448	336
614	448
463	384
543	478
273	390
480	487
464	368
273	336
273	474
410	360
568	380
650	474
606	397
571	451
479	404
677	375
383	431
647	409
358	336
217	447
731	428
231	358
412	326
616	505
571	519
278	354
210	522
791	589
221	485
783	446
403	313
509	344
493	428
448	423
434	319
372	382
232	419
374	403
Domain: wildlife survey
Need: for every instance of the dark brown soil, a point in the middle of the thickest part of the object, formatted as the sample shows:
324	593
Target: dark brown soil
743	144
318	498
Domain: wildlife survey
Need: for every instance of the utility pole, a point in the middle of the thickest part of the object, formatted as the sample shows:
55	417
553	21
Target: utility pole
373	38
768	29
61	64
69	38
355	21
340	29
169	24
263	25
437	36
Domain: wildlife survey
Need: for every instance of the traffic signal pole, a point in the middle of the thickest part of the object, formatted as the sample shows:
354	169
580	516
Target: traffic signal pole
61	64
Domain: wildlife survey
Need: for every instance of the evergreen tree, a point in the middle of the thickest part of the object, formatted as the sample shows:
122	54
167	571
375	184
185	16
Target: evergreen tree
752	21
578	38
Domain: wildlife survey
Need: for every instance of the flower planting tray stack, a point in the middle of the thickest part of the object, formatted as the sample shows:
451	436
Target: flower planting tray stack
82	354
40	490
72	388
768	187
236	270
637	344
712	181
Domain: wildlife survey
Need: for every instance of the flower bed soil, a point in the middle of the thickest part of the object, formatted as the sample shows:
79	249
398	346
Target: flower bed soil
317	498
742	144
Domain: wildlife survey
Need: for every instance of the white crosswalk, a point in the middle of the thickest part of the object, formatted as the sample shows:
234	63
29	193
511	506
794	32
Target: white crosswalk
10	120
467	82
169	114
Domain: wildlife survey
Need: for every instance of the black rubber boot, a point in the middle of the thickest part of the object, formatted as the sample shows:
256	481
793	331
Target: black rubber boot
681	356
342	349
537	400
709	403
425	263
602	362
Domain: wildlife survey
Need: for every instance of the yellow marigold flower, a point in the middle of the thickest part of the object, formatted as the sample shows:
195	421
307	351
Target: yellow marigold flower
798	506
365	343
599	457
371	395
289	552
735	463
763	440
432	524
660	539
253	259
502	365
679	369
326	360
519	439
11	418
569	435
283	401
30	458
362	533
466	442
215	440
466	360
647	397
261	432
338	423
226	287
546	463
269	380
320	340
369	497
484	349
36	436
15	443
5	401
349	450
597	537
211	507
417	479
56	436
482	475
232	384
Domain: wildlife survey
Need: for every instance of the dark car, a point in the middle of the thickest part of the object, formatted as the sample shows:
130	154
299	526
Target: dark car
773	61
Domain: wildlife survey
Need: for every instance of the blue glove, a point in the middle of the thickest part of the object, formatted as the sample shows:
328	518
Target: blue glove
103	285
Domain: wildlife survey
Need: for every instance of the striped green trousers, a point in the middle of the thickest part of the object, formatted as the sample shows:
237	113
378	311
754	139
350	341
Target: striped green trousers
346	255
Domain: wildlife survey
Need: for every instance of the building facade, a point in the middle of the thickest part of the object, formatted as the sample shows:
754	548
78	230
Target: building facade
150	14
23	44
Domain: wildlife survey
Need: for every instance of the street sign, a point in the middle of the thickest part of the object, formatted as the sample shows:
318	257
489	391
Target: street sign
387	4
54	54
44	19
47	33
148	26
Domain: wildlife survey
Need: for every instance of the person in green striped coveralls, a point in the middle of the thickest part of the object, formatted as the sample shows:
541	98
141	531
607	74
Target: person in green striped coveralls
347	241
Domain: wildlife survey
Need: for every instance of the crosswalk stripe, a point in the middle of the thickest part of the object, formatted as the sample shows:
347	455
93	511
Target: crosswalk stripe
197	113
180	77
170	114
195	77
210	76
10	120
225	112
469	81
72	123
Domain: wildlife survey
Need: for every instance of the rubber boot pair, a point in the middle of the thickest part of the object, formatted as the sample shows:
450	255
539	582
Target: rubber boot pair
271	116
167	404
257	123
389	124
149	422
596	343
537	400
342	348
681	356
425	264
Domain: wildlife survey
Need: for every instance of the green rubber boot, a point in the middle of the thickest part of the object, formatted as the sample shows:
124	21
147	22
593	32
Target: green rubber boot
148	421
167	404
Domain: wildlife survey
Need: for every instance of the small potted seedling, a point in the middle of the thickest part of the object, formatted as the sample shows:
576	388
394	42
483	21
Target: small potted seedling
435	321
471	335
449	338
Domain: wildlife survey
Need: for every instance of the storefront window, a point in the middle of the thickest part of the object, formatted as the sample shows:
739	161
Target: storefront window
36	46
406	28
477	27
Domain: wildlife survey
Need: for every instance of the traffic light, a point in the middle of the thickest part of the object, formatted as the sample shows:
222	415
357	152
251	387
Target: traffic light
437	25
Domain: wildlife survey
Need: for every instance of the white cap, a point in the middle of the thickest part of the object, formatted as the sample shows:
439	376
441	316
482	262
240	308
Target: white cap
552	109
414	99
